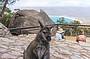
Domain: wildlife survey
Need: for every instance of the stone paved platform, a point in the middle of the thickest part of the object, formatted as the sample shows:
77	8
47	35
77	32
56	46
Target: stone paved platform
13	47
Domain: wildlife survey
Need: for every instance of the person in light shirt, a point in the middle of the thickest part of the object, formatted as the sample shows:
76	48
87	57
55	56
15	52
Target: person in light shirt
59	34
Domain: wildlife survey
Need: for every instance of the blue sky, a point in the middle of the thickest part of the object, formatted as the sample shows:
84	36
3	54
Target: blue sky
51	3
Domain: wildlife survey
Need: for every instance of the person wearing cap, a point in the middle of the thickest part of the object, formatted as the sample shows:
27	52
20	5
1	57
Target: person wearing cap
60	34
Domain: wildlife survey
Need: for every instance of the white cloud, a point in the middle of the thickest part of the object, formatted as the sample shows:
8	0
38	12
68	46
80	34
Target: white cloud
32	3
70	3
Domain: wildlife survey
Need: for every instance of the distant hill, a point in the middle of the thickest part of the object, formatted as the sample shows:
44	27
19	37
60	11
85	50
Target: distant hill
82	13
65	11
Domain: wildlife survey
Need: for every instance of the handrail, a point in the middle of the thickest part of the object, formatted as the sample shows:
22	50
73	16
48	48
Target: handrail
19	28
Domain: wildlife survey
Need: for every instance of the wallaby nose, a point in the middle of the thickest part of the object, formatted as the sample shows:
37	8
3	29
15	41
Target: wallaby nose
49	38
49	35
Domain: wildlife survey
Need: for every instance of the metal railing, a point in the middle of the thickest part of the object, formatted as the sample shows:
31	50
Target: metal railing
62	25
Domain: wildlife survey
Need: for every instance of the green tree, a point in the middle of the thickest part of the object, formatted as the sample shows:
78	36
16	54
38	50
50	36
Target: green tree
76	22
76	28
61	20
6	13
7	17
1	5
4	3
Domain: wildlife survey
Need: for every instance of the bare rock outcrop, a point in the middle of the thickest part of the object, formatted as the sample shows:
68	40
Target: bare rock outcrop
4	32
69	50
29	18
13	47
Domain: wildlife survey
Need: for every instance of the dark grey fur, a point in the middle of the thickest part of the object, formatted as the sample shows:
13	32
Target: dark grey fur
39	47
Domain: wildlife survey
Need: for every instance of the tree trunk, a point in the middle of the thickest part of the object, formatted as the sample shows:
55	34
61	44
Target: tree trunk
4	7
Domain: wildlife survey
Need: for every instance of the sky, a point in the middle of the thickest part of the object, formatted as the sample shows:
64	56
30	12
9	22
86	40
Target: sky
50	3
53	3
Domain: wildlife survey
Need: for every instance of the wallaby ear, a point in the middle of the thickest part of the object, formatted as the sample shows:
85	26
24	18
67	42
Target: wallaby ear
41	25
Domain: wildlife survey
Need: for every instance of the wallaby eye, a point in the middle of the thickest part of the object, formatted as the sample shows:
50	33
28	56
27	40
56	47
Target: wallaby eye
44	31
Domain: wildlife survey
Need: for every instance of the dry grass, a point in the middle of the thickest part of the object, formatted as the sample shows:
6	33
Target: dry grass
70	38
